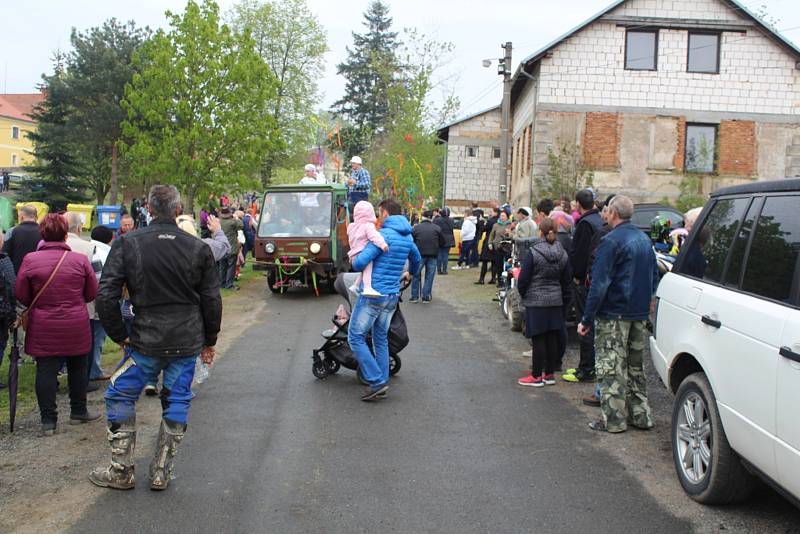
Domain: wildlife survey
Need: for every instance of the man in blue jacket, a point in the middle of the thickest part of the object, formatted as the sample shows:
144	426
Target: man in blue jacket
375	313
624	280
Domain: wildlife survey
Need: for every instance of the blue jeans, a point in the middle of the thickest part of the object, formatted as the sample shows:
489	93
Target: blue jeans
375	315
463	257
135	371
473	253
355	197
444	256
429	264
98	338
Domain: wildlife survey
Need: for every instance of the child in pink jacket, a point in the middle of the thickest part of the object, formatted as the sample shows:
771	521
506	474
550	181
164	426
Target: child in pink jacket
361	232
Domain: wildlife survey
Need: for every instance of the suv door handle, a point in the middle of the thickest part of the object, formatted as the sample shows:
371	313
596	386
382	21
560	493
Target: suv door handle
786	352
711	322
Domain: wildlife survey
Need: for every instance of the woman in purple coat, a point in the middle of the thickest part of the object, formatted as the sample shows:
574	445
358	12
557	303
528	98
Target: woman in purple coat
58	323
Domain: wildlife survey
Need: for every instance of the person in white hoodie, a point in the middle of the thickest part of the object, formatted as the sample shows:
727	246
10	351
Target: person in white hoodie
468	228
101	242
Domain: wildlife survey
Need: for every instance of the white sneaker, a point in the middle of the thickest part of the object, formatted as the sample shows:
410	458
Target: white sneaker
370	292
456	267
528	353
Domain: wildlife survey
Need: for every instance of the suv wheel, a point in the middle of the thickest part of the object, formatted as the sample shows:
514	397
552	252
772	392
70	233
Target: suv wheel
709	470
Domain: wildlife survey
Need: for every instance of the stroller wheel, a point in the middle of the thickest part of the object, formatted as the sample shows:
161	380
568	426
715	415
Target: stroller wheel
332	366
394	364
319	370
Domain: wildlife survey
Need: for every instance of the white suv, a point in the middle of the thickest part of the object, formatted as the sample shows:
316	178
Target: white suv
726	341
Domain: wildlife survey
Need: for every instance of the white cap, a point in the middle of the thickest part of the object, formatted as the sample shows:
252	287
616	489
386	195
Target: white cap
356	159
310	167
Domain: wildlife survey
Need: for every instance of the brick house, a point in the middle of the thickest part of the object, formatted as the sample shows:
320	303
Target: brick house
648	91
472	161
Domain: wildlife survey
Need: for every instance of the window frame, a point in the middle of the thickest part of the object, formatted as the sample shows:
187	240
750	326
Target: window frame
17	129
14	160
714	162
467	149
655	51
794	297
718	35
496	150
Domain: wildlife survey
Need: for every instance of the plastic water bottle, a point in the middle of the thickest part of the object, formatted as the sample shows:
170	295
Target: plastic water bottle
201	372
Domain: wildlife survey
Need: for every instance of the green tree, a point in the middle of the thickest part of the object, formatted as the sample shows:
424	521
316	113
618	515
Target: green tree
56	170
369	73
98	68
292	42
199	112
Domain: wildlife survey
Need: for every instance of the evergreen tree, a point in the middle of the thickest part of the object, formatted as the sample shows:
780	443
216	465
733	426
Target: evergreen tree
56	169
365	104
98	69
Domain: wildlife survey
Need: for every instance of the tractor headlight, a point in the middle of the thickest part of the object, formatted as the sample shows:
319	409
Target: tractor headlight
269	248
314	248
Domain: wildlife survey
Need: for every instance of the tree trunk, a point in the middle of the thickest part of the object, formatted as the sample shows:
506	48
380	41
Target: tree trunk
114	180
188	204
267	169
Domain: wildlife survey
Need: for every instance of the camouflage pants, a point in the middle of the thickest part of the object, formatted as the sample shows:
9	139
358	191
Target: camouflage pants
623	387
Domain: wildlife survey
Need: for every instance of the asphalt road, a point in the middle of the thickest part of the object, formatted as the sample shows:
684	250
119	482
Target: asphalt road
455	447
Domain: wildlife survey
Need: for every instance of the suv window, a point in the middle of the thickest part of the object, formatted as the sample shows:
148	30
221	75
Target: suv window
706	256
772	262
739	249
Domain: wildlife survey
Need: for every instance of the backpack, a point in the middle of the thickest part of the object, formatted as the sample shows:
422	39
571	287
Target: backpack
8	312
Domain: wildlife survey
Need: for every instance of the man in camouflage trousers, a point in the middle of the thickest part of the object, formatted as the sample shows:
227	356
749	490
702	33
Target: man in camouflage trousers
624	280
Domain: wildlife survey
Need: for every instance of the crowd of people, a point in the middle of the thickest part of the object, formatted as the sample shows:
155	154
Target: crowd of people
63	295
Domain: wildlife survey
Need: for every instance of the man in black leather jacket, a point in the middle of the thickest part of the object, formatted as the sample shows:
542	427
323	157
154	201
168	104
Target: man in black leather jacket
174	288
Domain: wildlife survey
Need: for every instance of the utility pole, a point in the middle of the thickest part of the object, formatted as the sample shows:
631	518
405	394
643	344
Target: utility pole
504	69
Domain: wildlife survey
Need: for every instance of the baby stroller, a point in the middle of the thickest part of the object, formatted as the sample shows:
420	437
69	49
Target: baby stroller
335	352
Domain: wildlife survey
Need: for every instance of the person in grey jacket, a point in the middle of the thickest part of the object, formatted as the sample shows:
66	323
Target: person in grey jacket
545	285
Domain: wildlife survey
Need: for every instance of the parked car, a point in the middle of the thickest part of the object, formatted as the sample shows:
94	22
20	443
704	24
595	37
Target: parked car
726	341
644	214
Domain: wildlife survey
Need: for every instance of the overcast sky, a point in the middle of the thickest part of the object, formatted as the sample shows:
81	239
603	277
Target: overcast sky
34	30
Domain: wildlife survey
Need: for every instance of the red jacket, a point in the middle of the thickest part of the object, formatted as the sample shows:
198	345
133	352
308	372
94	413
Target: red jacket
59	324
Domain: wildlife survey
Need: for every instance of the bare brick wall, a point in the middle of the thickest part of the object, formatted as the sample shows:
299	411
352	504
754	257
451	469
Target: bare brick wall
737	148
680	152
601	141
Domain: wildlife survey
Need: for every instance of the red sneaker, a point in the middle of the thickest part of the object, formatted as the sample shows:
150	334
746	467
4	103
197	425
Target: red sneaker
550	379
532	381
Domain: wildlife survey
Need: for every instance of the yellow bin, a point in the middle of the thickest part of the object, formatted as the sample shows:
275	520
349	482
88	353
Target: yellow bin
42	209
85	212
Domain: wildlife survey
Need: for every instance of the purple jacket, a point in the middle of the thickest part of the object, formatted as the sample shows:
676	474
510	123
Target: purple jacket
59	324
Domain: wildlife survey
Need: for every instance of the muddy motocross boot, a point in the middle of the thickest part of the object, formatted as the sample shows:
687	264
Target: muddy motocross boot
170	436
118	475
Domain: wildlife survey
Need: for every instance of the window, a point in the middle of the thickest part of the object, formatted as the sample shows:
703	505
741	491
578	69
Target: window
703	53
13	160
701	148
772	262
706	256
641	50
739	249
15	132
472	152
496	152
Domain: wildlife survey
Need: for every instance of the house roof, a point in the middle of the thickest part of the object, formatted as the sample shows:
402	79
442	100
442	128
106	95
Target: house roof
734	4
442	131
19	106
